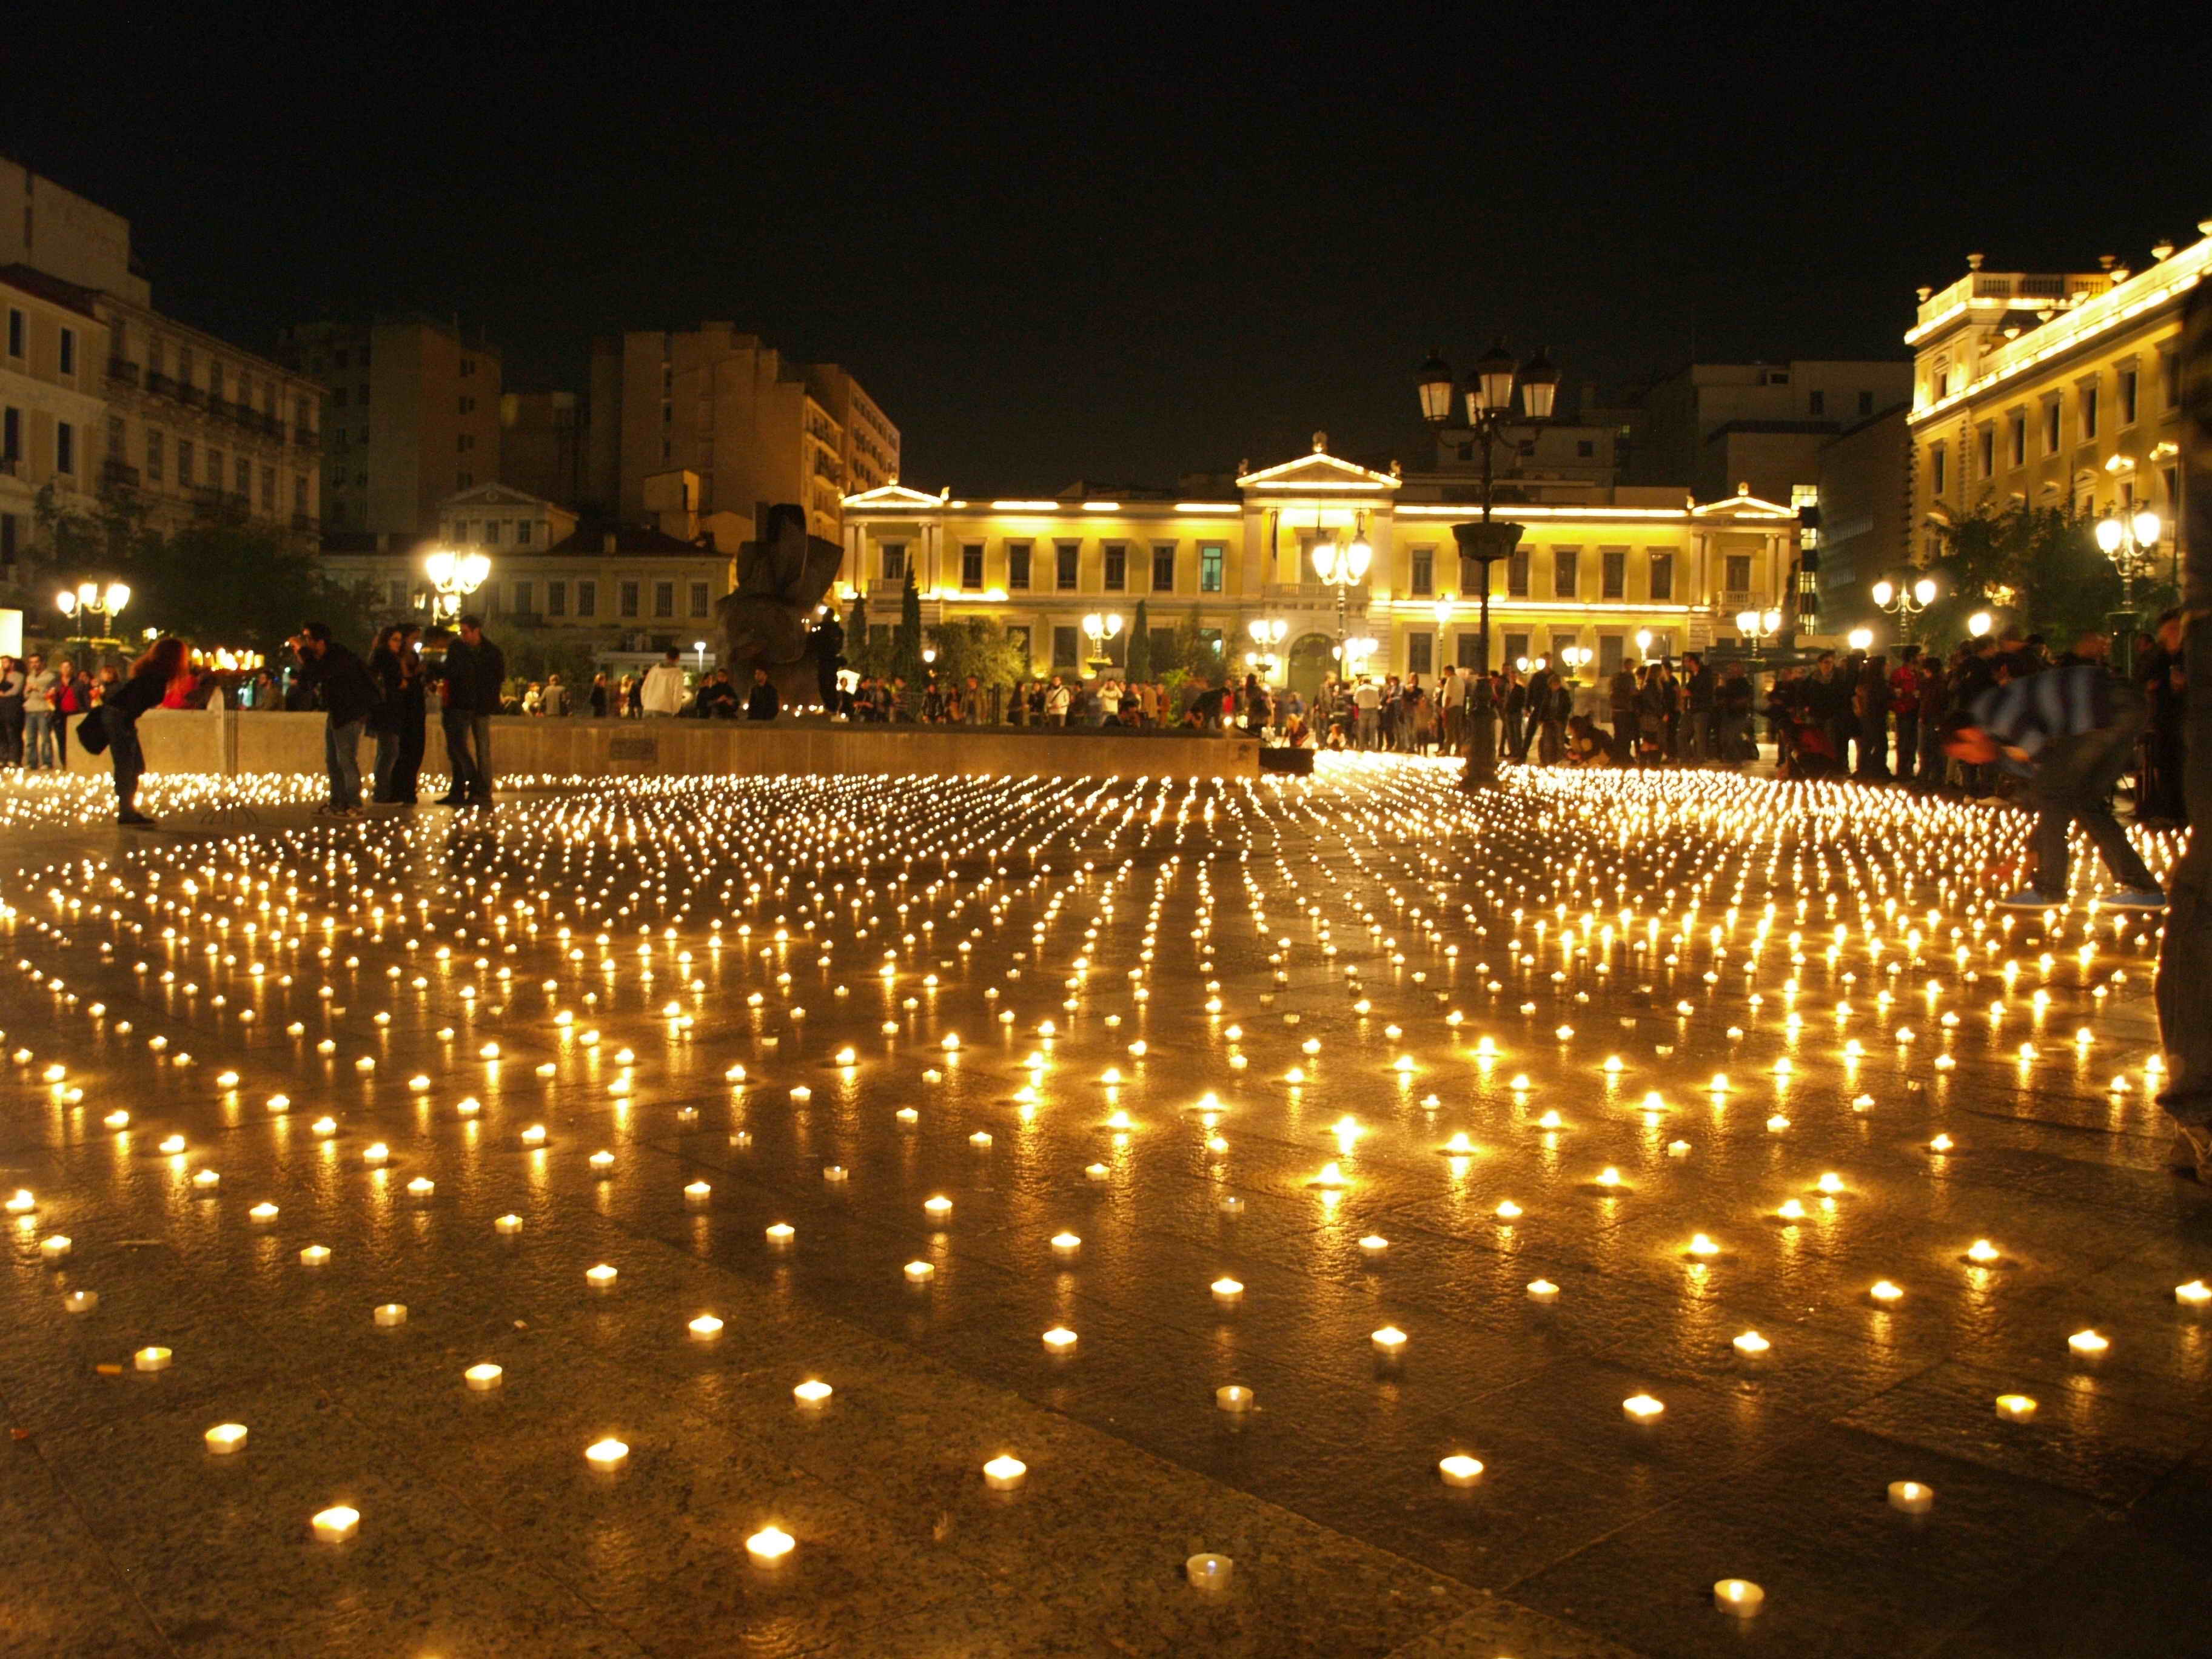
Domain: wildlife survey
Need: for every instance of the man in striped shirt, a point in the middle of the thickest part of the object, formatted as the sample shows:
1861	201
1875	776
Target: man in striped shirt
2070	732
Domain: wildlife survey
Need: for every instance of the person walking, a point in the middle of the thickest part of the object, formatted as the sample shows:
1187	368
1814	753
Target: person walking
663	692
2070	732
474	670
115	727
349	695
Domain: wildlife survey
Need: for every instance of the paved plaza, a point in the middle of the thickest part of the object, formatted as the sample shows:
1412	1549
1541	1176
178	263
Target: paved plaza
921	1217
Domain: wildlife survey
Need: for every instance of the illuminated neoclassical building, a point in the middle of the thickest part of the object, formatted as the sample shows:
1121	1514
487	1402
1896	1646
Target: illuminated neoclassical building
2051	388
1593	573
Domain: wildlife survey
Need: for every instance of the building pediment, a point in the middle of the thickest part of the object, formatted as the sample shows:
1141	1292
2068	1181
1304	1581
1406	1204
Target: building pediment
1320	471
1743	505
493	494
893	497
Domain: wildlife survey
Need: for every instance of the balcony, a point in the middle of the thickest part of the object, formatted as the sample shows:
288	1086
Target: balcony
119	473
160	385
121	370
306	437
195	396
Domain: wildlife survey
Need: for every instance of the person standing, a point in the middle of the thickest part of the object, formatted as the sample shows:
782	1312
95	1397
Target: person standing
1871	704
663	693
11	712
474	670
598	697
761	703
71	696
2070	732
1700	683
414	715
384	719
349	695
1905	710
1620	696
1731	714
39	683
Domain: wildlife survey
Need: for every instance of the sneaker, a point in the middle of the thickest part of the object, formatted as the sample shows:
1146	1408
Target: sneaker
2028	899
2134	898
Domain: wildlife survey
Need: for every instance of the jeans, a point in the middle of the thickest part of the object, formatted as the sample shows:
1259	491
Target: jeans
342	755
1908	746
130	759
1371	723
2069	787
468	751
385	764
1727	737
37	738
1698	735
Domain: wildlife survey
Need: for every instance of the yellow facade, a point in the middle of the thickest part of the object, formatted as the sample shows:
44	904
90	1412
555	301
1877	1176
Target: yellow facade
1593	574
2050	389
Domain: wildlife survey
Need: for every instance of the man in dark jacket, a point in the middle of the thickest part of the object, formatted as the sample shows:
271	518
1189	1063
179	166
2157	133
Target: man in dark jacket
1697	722
474	672
2070	732
762	704
349	694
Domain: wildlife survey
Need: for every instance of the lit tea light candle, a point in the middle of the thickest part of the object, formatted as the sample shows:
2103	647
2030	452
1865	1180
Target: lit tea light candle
696	1193
391	1313
1738	1596
770	1546
1235	1397
1060	1340
607	1456
172	1145
1641	1408
1004	1474
55	1248
421	1187
1066	1245
780	1234
2015	1407
2088	1345
315	1256
1209	1572
1982	1251
833	1174
2195	1294
1750	1344
1885	1293
151	1359
336	1525
1911	1498
81	1301
224	1438
1373	1244
1543	1292
207	1181
534	1135
705	1328
1227	1292
1461	1470
601	1277
1389	1340
1096	1172
482	1379
938	1207
919	1272
812	1392
375	1152
508	1226
601	1162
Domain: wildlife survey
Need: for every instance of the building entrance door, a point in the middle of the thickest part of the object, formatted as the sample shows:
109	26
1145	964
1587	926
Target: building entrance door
1312	657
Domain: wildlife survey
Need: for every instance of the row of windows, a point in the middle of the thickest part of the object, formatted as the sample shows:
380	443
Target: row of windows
13	428
1566	569
2006	449
19	341
579	598
495	532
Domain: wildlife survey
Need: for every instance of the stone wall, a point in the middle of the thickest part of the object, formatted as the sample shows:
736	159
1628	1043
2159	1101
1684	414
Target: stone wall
186	740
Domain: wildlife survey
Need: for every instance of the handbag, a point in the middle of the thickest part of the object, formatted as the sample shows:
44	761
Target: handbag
92	732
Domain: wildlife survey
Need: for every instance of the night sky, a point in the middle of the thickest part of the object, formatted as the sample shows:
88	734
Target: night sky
1126	244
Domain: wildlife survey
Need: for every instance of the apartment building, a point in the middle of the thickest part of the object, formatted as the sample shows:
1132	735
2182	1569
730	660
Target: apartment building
51	410
412	416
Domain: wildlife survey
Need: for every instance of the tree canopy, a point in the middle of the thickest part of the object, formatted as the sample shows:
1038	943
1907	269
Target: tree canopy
2039	569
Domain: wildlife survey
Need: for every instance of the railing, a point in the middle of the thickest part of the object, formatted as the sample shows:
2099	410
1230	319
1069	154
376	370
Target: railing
160	385
119	472
121	370
196	396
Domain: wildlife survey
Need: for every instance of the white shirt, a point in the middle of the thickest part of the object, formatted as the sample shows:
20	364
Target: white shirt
663	690
1367	698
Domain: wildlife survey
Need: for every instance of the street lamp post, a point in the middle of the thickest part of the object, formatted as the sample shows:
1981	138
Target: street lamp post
454	577
1101	628
1489	394
1906	603
1339	566
2129	541
1268	634
1758	627
89	600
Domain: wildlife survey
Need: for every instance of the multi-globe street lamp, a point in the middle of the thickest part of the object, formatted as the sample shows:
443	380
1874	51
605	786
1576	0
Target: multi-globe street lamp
1101	628
1490	416
87	600
1342	565
454	576
1758	627
2128	540
1268	634
1906	603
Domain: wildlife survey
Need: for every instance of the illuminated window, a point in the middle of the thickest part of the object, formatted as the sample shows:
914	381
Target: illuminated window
1662	578
971	565
1018	565
1739	573
894	561
1065	556
2087	408
2128	385
2051	427
1423	575
1564	573
1613	574
1213	557
1163	568
1937	480
1517	577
